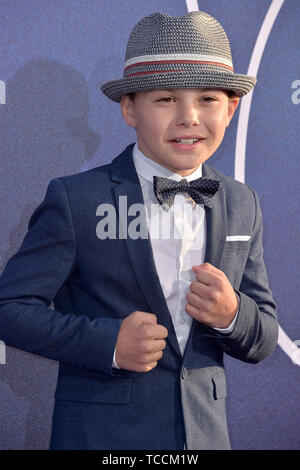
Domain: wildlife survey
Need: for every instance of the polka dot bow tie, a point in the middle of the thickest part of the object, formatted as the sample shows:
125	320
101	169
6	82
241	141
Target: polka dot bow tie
201	189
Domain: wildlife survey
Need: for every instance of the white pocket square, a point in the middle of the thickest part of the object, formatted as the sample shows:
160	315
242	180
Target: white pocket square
241	238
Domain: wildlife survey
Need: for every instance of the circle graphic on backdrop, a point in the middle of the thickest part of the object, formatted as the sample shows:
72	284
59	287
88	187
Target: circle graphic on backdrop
287	345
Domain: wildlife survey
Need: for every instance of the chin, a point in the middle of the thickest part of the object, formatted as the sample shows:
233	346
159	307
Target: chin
189	164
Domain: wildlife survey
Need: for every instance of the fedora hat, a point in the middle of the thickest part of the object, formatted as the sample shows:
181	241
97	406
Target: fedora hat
189	51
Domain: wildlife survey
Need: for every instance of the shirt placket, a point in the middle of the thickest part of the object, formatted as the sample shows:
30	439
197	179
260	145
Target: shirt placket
184	230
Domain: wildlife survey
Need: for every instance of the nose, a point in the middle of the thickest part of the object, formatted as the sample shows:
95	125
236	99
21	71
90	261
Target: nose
188	116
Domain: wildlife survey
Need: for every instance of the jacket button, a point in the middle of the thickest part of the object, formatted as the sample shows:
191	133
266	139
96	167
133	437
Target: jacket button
185	373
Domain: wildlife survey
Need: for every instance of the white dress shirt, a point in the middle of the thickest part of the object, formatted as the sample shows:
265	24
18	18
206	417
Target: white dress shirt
178	239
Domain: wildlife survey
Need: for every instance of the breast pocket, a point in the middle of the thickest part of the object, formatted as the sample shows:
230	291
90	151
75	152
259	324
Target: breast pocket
237	245
234	260
94	390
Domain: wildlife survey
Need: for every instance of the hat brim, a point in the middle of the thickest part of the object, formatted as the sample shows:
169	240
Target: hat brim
240	84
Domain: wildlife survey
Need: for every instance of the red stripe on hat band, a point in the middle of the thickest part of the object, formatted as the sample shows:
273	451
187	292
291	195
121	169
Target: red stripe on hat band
179	62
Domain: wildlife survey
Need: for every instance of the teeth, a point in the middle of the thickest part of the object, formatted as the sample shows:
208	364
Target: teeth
186	141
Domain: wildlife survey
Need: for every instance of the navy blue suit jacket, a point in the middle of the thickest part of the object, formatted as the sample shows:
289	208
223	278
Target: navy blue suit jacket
95	283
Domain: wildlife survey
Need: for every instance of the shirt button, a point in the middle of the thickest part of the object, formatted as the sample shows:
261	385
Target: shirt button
182	321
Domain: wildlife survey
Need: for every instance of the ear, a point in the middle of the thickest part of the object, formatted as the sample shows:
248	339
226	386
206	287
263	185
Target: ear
232	105
127	110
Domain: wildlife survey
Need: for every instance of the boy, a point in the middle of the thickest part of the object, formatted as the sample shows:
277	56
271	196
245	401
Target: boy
141	323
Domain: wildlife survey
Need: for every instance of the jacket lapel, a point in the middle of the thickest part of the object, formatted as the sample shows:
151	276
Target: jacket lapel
216	223
123	172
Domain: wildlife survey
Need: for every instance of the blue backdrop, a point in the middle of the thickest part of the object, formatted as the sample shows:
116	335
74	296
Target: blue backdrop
54	121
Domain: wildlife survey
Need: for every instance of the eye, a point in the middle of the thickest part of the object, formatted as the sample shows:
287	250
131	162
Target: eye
208	99
166	99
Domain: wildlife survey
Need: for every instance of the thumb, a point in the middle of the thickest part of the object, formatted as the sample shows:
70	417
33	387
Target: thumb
196	268
205	266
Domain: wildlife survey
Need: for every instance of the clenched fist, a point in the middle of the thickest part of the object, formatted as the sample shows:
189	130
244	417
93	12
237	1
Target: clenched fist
211	298
140	342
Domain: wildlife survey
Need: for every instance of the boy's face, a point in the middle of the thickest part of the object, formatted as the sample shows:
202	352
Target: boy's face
162	116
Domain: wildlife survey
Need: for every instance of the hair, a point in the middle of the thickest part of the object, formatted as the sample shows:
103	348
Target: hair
131	95
229	93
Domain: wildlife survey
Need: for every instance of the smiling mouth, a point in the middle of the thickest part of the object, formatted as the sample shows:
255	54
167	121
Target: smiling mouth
186	141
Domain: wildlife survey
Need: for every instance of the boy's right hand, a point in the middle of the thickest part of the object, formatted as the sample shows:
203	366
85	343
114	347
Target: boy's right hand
140	342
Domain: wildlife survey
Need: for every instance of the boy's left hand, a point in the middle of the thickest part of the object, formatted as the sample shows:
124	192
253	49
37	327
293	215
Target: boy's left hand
211	298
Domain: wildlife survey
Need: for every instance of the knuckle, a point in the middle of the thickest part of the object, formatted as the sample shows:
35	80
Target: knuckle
148	334
217	296
145	332
193	285
220	283
147	367
188	308
145	357
141	368
141	364
147	348
211	294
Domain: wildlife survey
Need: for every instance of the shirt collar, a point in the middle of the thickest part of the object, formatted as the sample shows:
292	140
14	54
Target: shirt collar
147	168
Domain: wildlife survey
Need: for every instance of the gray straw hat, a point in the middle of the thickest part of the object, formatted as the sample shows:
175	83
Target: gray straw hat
189	51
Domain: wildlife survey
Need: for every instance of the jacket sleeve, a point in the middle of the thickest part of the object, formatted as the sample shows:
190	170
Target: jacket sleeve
255	333
29	283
